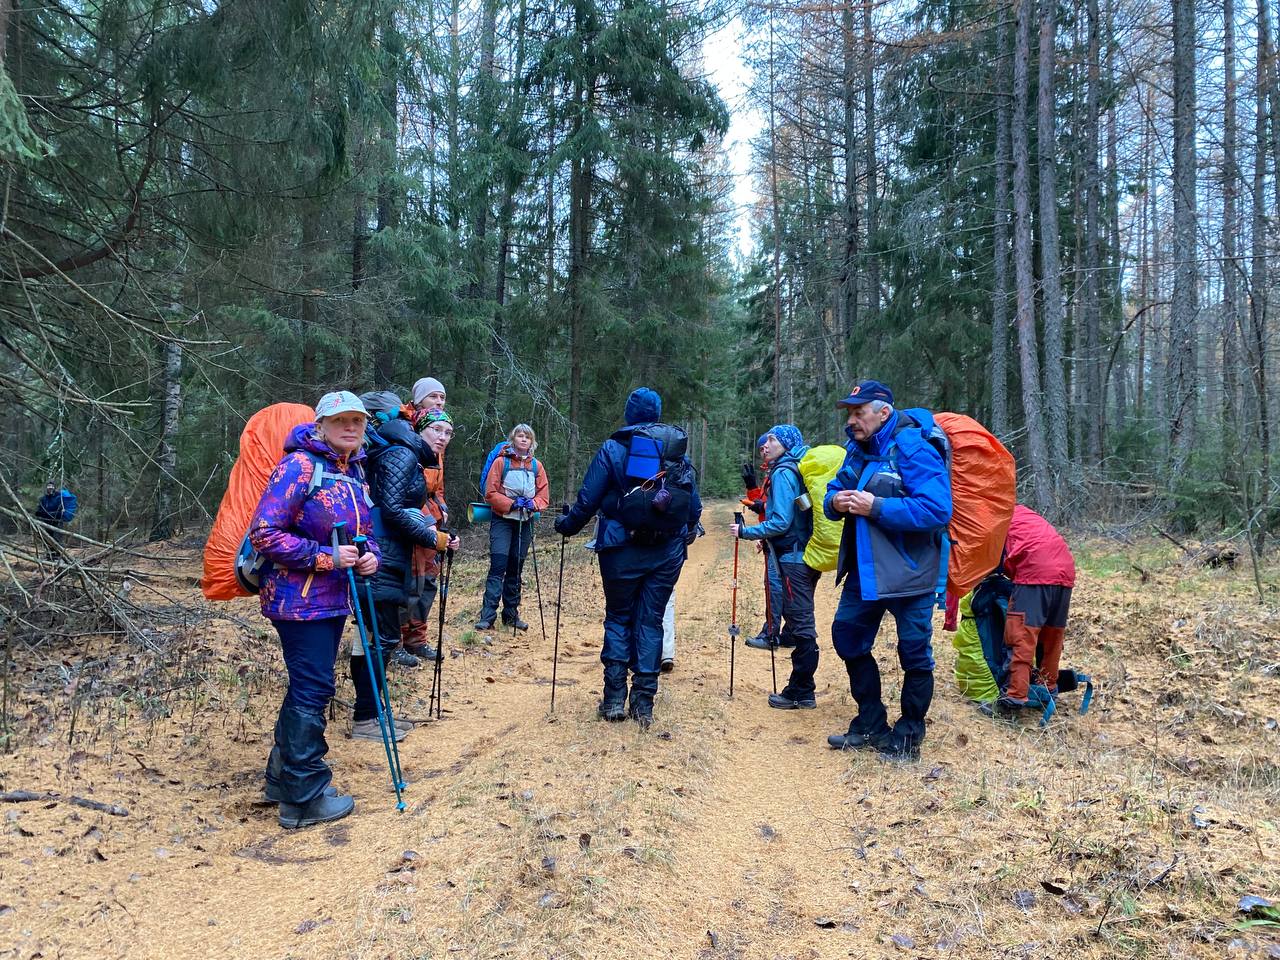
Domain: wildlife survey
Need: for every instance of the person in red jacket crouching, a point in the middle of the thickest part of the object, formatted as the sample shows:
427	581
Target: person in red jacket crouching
1039	563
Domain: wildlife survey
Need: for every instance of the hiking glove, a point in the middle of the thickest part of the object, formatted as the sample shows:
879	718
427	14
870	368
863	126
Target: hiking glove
749	476
562	525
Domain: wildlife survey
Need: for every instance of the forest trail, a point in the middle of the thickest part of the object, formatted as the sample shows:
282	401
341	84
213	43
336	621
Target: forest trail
728	830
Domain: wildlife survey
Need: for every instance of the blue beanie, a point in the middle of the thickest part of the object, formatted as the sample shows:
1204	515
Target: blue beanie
761	441
643	406
787	435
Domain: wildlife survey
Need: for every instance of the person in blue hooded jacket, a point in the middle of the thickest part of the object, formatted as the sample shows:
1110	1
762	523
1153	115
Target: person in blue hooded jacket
785	532
894	495
639	565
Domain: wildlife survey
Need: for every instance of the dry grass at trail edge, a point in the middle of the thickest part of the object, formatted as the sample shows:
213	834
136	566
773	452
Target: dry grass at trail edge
728	831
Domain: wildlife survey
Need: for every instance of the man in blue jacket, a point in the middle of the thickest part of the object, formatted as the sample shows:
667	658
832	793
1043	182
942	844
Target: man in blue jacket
646	493
785	532
894	495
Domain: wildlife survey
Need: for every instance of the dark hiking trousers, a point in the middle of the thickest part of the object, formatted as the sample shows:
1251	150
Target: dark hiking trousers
297	766
387	616
799	630
638	582
508	546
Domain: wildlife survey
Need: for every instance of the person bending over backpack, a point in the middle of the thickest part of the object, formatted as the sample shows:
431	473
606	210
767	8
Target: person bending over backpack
894	495
305	594
785	532
646	493
1043	571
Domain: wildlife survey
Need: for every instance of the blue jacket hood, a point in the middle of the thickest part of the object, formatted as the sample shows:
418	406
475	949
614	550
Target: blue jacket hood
643	406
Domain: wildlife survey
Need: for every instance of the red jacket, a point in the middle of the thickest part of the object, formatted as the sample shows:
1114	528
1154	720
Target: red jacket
1035	552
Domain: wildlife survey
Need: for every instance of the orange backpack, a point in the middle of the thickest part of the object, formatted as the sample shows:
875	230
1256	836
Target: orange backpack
261	447
983	493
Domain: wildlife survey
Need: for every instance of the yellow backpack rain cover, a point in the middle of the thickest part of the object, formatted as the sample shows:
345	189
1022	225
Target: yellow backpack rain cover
817	468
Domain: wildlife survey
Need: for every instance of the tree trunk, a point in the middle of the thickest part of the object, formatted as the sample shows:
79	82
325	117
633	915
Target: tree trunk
1183	379
1094	412
1258	279
873	165
167	460
1038	451
1055	383
777	235
1231	325
309	301
1000	242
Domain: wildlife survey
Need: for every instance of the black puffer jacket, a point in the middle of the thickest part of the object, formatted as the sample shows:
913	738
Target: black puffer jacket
397	457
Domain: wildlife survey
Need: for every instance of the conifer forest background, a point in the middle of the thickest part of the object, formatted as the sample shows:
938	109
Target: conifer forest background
1058	217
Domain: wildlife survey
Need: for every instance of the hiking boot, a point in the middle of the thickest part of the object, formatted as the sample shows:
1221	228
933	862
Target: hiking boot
642	713
369	730
762	641
612	710
485	622
781	701
423	651
859	737
1011	705
403	658
322	809
516	623
897	746
271	792
667	665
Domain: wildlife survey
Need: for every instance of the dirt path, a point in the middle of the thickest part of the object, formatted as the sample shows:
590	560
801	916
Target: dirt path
729	830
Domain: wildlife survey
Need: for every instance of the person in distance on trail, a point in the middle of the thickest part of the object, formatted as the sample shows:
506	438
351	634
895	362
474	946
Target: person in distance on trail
785	532
415	634
1043	571
53	509
515	488
646	493
756	500
305	593
894	495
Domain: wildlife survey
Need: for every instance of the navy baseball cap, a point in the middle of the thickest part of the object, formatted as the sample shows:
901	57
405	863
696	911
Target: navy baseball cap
865	392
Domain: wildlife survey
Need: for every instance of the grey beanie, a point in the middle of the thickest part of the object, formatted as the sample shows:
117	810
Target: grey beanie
423	387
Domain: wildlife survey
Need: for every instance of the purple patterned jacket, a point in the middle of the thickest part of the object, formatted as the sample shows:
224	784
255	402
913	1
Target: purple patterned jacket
294	531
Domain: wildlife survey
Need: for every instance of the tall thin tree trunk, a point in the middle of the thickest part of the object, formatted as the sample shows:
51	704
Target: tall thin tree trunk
1258	278
777	233
1055	383
1231	325
849	219
167	461
1038	451
1094	413
1000	240
1183	378
873	164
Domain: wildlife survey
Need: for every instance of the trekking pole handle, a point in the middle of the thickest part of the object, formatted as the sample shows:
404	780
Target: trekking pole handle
737	518
564	509
342	534
362	545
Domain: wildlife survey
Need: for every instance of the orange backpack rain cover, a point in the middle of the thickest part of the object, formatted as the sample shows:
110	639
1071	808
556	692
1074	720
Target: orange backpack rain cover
261	447
983	492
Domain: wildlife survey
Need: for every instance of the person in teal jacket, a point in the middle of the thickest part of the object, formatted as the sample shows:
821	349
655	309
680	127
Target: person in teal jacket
785	532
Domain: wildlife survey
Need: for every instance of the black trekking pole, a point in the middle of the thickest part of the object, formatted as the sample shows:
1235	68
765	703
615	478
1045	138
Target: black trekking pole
519	550
446	574
384	691
733	617
555	651
340	533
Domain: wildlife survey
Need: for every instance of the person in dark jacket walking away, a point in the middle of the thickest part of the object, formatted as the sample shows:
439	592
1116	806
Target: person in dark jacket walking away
397	457
515	488
305	594
1043	571
785	533
645	491
56	508
894	495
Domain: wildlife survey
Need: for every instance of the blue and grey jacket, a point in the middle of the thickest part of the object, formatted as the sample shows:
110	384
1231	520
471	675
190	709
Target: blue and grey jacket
606	482
785	524
900	548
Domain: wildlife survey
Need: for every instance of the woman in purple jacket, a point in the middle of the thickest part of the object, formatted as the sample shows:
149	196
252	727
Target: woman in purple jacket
319	484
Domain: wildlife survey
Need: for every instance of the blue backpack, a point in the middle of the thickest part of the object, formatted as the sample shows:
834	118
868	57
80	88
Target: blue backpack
69	505
506	466
990	605
252	566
